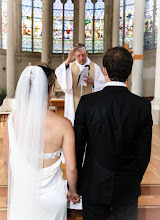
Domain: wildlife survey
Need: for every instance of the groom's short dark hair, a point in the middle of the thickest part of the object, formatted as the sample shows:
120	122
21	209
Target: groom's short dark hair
118	62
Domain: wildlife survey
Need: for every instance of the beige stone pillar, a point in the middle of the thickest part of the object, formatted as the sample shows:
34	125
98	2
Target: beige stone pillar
9	102
156	100
10	50
45	31
138	42
115	25
82	21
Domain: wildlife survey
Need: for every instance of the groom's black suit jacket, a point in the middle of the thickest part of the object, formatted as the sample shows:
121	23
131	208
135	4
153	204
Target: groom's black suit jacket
117	127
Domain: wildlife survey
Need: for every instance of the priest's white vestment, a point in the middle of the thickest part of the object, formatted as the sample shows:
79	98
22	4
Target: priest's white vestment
65	79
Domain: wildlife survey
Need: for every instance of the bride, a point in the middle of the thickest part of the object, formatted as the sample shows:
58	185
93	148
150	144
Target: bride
34	138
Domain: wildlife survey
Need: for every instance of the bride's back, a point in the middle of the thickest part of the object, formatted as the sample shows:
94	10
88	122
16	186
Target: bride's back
56	127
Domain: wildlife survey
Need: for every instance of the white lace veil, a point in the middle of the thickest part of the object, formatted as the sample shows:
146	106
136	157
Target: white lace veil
26	137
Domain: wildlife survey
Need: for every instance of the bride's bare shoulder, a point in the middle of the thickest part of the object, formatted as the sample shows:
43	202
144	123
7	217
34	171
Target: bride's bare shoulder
59	121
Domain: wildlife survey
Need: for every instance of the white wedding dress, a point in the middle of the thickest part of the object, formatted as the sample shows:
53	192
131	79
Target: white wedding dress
53	200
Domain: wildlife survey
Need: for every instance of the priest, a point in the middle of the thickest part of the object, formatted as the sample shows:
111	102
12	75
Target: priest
78	76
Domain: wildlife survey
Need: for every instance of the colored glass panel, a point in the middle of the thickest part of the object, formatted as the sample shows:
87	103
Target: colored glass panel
27	25
4	25
89	25
99	27
37	26
148	24
68	25
57	26
129	22
121	23
156	23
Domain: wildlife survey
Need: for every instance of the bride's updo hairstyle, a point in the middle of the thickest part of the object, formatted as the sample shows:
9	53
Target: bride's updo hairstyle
50	73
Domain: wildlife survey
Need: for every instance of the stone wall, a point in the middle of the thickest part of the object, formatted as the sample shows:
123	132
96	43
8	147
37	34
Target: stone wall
55	60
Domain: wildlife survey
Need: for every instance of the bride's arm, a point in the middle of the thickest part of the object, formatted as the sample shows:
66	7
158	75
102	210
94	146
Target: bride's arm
70	158
6	147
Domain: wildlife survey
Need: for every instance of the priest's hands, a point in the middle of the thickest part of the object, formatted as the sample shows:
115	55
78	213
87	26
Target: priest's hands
89	80
71	56
73	197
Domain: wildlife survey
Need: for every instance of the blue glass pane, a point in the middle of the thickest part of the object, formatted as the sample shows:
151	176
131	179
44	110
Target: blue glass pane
27	3
68	45
37	26
98	46
4	24
57	46
88	44
37	3
57	26
156	23
26	25
68	25
99	27
88	25
129	22
148	24
121	22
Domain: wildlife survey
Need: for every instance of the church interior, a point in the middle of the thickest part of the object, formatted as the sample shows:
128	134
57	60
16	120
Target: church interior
100	25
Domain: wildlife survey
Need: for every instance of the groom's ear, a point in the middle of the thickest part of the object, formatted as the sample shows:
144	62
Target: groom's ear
105	71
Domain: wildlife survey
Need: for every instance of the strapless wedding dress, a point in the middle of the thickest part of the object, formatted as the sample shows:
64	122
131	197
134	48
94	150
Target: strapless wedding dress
53	192
53	200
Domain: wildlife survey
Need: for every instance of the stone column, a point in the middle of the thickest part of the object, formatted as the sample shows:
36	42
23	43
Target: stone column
82	21
156	100
115	28
138	42
10	50
45	31
108	20
8	103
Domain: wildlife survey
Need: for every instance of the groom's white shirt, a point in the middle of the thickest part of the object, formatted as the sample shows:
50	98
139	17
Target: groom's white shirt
115	83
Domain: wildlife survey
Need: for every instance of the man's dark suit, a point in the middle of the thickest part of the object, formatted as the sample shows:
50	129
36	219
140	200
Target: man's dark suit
117	127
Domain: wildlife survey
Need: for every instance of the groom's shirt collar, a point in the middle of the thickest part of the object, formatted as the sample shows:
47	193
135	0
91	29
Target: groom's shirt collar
115	83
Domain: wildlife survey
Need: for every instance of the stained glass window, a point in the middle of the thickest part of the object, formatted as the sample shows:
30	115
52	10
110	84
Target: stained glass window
37	26
127	21
94	26
121	23
89	25
156	23
63	16
32	25
68	25
3	34
148	24
99	27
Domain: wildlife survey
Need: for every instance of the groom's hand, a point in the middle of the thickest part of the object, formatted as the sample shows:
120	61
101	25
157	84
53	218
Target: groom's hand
73	197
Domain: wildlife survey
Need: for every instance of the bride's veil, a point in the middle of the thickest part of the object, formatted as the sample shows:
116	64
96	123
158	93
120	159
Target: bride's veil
27	141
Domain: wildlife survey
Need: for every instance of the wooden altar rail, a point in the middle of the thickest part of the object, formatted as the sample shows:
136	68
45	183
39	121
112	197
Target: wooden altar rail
59	106
3	117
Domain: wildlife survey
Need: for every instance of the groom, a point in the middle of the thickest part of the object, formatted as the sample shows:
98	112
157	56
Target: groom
117	127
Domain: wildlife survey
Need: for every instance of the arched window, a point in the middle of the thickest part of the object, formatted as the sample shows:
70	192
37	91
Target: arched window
63	26
148	31
156	24
126	22
94	26
150	25
32	25
3	32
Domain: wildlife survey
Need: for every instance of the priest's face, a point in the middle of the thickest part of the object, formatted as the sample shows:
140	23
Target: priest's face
81	56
